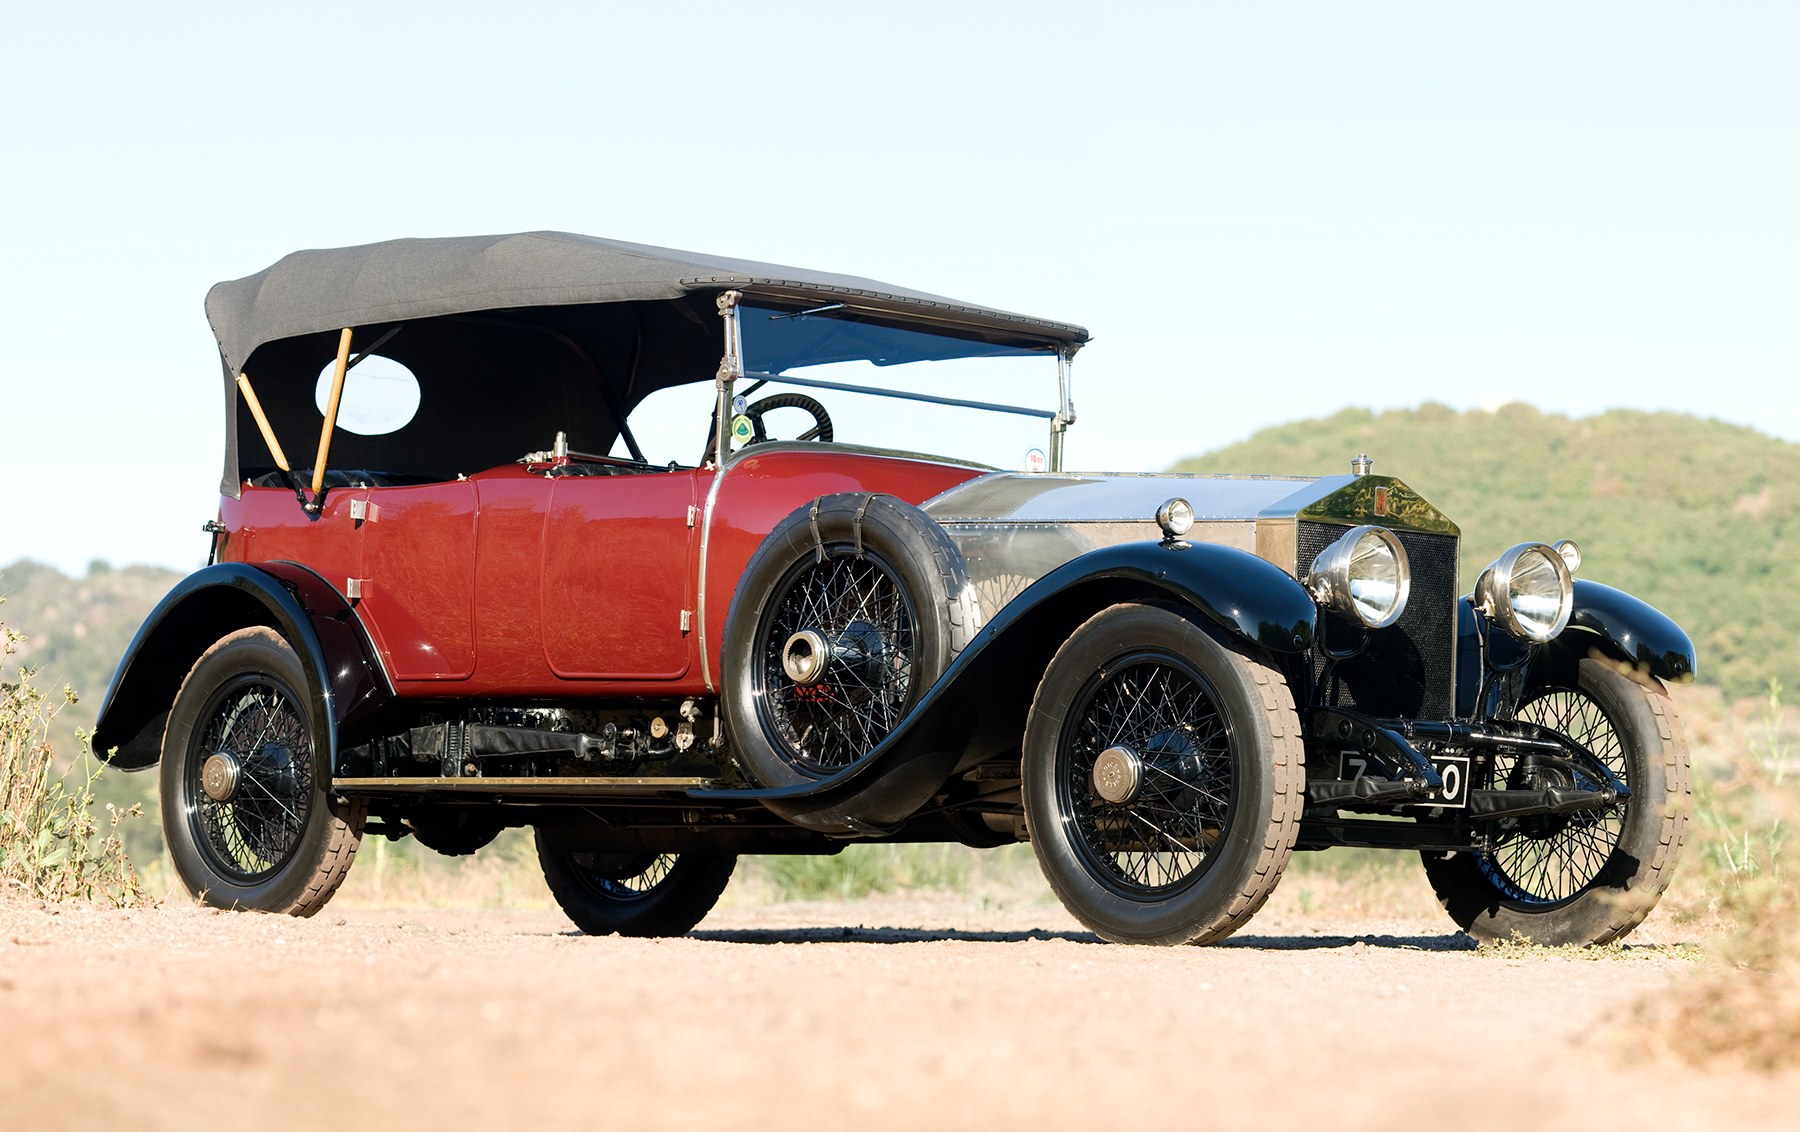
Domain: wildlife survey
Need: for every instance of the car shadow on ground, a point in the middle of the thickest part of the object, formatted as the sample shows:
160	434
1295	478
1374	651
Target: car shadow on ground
1453	941
862	934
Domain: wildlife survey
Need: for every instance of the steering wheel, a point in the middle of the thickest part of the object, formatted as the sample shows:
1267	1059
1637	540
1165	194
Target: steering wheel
820	431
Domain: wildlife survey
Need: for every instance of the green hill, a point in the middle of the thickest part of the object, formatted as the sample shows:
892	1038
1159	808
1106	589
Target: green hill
76	629
1697	517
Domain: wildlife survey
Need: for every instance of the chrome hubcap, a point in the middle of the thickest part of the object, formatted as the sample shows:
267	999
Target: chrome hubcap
1118	773
220	776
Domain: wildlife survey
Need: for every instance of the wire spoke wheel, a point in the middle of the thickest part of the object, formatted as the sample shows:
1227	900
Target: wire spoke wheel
856	605
1589	876
848	613
1162	776
635	893
1146	774
254	727
627	876
248	813
1547	861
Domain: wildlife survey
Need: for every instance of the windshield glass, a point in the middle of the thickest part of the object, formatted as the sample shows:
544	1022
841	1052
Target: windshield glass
881	386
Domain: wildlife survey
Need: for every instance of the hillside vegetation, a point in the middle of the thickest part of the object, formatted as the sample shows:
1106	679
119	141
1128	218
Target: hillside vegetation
76	629
1697	517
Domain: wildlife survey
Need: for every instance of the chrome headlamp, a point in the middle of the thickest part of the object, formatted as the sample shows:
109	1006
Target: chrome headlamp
1529	590
1175	517
1364	574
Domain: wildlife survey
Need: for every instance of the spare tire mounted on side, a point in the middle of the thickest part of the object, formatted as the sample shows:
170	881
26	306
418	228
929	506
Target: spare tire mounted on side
850	609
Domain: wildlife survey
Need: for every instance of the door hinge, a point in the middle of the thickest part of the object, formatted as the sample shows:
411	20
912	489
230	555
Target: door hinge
353	589
359	510
693	514
687	620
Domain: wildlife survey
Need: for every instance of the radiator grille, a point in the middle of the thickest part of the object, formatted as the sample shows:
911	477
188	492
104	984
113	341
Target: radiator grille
1409	668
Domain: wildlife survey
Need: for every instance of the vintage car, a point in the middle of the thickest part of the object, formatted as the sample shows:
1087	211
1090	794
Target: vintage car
486	604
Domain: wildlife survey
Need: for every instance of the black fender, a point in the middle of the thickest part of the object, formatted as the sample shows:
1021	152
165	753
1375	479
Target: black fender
345	680
1622	628
1607	622
977	709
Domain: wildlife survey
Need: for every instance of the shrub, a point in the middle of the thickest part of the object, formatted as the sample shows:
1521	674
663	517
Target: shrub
51	846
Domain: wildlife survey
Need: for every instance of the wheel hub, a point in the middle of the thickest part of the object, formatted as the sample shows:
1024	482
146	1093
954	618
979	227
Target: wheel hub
809	654
803	657
220	776
1118	775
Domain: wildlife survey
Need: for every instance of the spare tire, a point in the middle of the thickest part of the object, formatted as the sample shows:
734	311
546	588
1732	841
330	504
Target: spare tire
851	608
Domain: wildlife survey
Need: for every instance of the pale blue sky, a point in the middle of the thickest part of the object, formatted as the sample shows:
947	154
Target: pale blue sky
1263	212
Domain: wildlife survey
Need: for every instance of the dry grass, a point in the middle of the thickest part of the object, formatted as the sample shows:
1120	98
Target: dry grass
1743	1010
52	848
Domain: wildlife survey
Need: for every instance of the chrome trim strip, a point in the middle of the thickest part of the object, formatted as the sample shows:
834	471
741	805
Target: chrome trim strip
706	519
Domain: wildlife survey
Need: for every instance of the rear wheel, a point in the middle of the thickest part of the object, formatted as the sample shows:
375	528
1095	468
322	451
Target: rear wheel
1163	775
637	894
246	804
1589	877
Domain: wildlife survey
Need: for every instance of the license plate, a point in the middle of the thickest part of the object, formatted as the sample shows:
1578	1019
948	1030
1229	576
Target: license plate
1453	769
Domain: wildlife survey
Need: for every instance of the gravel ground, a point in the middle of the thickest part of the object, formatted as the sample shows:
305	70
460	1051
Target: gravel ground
892	1012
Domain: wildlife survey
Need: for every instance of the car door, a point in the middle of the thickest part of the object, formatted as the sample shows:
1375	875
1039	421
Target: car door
418	578
618	575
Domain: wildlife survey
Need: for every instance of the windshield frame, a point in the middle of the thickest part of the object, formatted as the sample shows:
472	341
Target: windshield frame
878	338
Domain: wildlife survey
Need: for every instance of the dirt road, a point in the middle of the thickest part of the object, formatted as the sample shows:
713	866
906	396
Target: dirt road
926	1014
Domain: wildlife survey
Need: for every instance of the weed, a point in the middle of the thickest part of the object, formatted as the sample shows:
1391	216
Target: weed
1520	946
1744	820
52	847
1746	1009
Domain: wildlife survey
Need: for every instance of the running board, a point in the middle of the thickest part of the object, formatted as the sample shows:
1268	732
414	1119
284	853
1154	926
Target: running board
548	786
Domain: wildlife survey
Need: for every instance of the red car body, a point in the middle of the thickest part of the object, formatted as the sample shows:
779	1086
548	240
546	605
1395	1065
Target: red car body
513	583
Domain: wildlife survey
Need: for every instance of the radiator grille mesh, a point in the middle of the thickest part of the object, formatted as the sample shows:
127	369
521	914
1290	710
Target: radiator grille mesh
1409	668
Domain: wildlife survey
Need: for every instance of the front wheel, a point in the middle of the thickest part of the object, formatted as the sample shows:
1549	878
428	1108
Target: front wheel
637	894
246	803
1163	778
1589	877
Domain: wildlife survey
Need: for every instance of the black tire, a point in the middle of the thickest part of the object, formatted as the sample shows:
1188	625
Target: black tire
1182	838
268	836
636	894
1588	878
877	577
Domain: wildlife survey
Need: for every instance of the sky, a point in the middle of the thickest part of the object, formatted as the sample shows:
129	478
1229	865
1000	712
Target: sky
1261	212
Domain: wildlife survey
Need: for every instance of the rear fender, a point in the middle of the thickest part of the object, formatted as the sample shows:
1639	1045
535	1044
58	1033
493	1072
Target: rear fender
345	681
976	711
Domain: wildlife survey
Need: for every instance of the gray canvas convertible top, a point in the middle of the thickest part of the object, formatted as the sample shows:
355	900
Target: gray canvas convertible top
514	338
312	291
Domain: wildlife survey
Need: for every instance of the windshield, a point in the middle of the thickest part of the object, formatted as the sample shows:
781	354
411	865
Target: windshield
881	386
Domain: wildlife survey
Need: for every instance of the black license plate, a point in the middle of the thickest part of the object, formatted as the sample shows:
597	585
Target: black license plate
1453	769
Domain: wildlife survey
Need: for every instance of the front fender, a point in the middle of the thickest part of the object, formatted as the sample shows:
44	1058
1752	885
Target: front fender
345	680
977	709
1625	628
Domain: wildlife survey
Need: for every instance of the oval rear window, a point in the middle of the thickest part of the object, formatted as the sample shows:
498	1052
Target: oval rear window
380	396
